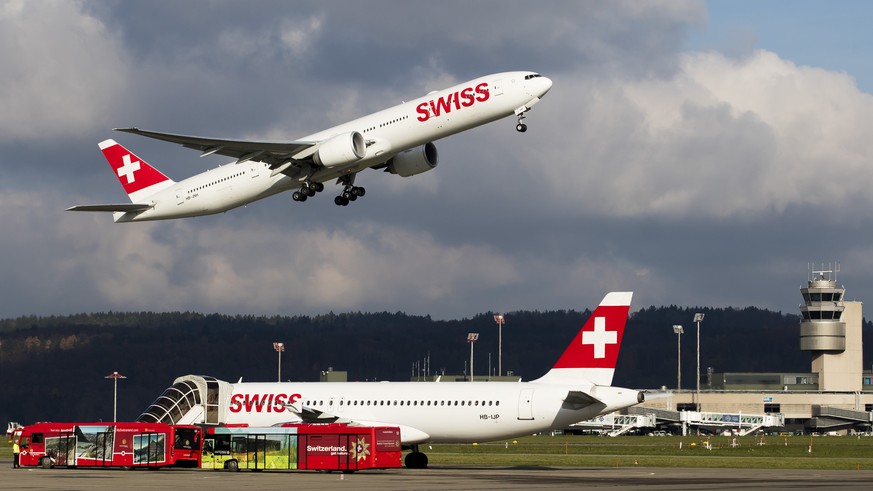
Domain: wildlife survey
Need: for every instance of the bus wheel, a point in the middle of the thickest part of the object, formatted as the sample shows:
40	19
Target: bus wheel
231	465
45	462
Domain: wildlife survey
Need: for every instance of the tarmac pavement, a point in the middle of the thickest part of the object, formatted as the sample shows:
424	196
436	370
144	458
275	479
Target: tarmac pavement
439	478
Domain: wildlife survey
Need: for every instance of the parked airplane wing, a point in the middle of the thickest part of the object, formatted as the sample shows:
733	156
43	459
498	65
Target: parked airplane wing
274	153
409	435
313	415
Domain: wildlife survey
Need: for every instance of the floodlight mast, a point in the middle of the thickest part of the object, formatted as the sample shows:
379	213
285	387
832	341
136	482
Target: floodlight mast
679	331
500	320
114	376
471	338
698	318
280	347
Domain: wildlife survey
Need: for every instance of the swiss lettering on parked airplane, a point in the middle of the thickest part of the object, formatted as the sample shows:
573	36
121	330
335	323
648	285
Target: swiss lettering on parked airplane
457	99
266	403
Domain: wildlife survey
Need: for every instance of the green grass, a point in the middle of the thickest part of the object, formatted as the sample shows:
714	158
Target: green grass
773	452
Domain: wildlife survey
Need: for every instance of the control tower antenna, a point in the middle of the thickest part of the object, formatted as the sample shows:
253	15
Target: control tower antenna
822	274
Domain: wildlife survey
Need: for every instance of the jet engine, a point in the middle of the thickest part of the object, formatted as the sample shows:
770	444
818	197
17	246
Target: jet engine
414	161
342	149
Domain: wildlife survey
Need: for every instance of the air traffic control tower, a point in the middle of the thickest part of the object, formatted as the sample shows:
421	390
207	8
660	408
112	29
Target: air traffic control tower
831	331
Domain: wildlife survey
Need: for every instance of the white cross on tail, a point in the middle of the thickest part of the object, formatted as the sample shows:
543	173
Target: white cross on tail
599	337
127	170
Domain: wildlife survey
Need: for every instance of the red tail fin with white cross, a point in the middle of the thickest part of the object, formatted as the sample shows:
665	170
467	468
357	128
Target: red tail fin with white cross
593	353
137	177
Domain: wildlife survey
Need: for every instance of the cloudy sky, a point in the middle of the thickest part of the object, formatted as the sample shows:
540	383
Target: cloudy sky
697	153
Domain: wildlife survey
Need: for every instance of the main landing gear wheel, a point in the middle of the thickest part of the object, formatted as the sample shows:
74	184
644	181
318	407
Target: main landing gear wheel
415	460
350	193
307	190
521	127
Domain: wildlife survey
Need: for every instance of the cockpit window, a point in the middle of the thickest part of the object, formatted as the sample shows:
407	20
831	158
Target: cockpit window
532	75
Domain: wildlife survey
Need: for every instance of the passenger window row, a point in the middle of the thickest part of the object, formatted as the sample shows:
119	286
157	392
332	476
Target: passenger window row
406	403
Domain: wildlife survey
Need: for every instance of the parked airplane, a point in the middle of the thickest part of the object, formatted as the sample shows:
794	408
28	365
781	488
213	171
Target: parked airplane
578	387
398	140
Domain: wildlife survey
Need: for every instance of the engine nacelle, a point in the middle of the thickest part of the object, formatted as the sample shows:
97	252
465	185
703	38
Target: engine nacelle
343	149
414	161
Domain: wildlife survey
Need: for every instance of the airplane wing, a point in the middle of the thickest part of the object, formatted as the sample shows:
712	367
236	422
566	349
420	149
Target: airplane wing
274	153
311	415
123	207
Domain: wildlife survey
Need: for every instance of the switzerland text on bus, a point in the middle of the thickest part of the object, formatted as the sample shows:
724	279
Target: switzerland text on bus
304	446
110	445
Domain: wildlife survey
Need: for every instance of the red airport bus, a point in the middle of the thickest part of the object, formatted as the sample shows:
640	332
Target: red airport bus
110	445
325	447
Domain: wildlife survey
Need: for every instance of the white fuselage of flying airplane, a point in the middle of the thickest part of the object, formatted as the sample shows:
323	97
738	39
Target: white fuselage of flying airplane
398	138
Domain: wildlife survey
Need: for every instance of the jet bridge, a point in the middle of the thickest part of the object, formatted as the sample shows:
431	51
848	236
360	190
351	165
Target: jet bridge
744	423
616	424
826	418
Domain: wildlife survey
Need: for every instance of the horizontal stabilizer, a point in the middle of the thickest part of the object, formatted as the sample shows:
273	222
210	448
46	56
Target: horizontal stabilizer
577	400
122	207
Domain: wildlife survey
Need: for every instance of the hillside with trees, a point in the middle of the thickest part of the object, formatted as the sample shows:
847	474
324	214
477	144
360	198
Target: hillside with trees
53	368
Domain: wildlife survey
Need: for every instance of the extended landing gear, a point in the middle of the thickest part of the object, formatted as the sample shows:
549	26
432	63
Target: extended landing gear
307	190
415	459
350	191
520	113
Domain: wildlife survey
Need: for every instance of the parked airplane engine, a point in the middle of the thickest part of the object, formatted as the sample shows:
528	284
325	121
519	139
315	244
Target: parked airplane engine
342	149
414	161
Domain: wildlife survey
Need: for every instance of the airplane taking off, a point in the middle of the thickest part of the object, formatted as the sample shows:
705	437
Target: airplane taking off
578	387
398	139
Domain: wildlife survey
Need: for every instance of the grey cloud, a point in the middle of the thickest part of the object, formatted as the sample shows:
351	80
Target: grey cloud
683	176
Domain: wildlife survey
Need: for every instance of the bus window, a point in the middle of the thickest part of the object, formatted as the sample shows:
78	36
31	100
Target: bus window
186	438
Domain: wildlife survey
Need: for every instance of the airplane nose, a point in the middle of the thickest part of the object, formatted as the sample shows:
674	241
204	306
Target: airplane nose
545	84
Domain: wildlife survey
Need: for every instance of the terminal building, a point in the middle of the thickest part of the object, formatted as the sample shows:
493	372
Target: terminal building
835	396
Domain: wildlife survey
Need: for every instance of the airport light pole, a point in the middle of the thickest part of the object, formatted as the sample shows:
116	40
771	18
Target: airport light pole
280	347
698	318
498	318
679	331
471	338
114	376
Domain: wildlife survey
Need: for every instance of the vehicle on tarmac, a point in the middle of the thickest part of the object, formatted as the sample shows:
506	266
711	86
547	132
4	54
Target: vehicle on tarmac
110	445
322	447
